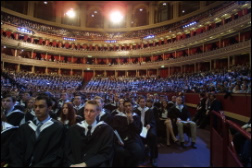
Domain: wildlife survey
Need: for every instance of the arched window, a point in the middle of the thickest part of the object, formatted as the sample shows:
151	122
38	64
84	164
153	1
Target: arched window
163	12
140	16
45	11
95	18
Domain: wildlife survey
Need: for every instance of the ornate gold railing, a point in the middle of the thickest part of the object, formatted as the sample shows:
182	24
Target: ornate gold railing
230	50
170	47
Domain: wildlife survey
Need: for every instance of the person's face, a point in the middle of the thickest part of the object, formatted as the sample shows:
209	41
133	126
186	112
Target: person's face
26	96
121	103
211	97
77	100
90	113
164	104
148	104
142	103
128	107
99	102
7	103
65	109
179	100
30	103
174	99
41	109
64	96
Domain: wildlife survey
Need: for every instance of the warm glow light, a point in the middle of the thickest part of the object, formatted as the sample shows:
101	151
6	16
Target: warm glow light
116	17
70	13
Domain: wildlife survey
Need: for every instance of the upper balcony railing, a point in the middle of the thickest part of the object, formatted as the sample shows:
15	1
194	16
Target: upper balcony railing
199	39
234	49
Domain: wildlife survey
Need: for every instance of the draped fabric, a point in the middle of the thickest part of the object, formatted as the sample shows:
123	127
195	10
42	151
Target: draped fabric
56	57
73	45
84	60
66	45
49	56
8	33
164	73
78	46
75	59
54	43
110	73
69	59
43	56
34	55
40	41
165	41
84	46
245	36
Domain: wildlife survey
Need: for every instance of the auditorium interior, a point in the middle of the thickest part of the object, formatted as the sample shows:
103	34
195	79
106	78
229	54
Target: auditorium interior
137	50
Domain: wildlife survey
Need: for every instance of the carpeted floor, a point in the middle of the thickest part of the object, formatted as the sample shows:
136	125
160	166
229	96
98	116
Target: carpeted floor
176	156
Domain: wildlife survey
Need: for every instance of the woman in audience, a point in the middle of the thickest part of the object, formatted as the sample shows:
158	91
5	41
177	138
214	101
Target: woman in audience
168	121
67	116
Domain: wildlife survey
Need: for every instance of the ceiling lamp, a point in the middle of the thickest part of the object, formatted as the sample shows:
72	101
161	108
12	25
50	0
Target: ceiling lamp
116	17
70	13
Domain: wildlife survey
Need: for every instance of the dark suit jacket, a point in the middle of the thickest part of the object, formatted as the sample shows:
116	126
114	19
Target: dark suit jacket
183	115
149	117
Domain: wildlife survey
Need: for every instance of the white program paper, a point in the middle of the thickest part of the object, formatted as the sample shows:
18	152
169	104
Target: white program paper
144	132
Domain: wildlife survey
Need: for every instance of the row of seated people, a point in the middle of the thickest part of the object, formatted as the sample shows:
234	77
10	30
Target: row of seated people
40	82
91	35
237	80
96	144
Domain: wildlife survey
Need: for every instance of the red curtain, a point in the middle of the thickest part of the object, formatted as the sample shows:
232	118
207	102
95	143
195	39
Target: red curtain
164	73
43	56
54	43
40	41
48	56
56	57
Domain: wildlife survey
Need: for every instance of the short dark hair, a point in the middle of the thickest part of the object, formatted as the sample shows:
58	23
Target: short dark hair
46	98
149	100
9	95
127	101
93	102
202	94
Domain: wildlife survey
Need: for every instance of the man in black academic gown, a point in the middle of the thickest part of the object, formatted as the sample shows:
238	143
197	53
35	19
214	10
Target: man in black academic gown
38	143
13	115
104	114
78	106
130	151
89	143
148	121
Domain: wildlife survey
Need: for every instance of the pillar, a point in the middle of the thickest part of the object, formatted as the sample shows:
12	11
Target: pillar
83	14
46	70
105	73
215	64
3	65
195	67
128	16
127	73
175	9
94	73
71	72
32	54
15	53
46	56
30	10
158	72
33	69
228	62
210	65
151	13
82	73
18	68
72	60
116	73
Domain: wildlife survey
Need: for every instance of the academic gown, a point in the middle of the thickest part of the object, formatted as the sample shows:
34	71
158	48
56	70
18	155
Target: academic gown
132	152
15	117
46	150
107	118
7	135
96	151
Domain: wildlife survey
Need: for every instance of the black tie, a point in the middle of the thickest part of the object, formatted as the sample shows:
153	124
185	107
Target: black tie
89	131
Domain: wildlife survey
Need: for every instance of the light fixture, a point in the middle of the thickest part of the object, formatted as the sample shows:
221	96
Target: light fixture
162	66
4	46
45	2
116	17
183	11
89	56
71	13
164	4
95	11
141	10
88	69
92	15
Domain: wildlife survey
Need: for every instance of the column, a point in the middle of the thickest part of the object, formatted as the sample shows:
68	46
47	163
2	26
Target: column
30	10
210	65
116	73
175	9
33	69
72	60
128	16
233	60
188	52
59	71
181	69
195	67
203	43
202	4
82	73
15	53
239	35
147	72
127	73
158	72
228	62
105	73
59	58
59	14
3	65
83	15
32	54
46	56
71	72
46	70
151	13
169	69
215	64
18	68
94	73
250	59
